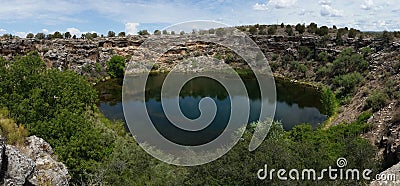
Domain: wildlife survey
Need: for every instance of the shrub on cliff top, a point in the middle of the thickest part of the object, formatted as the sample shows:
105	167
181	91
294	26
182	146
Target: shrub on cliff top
116	66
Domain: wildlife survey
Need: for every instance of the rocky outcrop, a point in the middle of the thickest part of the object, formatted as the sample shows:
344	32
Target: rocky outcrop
389	177
31	164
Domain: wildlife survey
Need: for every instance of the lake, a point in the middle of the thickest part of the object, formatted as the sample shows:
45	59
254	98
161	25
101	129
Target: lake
296	104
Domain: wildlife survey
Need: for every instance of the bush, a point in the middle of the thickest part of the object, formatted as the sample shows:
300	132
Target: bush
14	134
348	82
328	101
116	66
376	100
296	66
272	30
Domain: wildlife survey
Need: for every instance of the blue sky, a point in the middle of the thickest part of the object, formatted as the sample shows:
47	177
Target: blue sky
20	17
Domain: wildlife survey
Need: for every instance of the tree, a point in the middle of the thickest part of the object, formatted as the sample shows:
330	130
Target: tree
253	30
272	30
116	66
57	35
352	33
282	25
30	35
172	32
40	36
165	32
67	35
111	34
157	32
143	32
121	34
324	30
301	28
182	32
289	30
312	28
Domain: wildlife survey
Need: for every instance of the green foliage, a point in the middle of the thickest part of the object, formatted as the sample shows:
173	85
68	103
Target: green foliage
322	31
348	82
67	35
348	61
328	101
157	32
305	52
301	28
30	35
116	66
300	148
312	28
220	32
14	134
352	33
253	30
289	30
121	34
40	36
296	66
323	56
376	101
55	105
144	32
272	30
111	34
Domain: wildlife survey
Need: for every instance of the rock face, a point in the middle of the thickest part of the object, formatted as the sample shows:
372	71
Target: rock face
31	164
390	177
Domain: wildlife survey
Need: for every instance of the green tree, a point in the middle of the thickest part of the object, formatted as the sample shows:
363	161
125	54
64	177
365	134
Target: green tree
143	32
301	28
253	30
165	32
352	33
116	66
322	31
121	34
272	30
40	36
312	28
67	35
57	35
30	35
157	32
111	34
289	30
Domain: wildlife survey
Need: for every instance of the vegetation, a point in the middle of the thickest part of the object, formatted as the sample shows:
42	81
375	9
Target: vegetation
376	101
116	66
13	133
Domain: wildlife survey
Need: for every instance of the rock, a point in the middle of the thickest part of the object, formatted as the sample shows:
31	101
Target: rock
31	164
19	167
47	170
392	172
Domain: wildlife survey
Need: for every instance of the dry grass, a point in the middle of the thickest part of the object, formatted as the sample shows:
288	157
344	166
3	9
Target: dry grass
14	134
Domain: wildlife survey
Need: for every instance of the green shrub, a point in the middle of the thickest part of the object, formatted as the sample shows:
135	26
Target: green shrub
328	101
116	66
348	82
376	100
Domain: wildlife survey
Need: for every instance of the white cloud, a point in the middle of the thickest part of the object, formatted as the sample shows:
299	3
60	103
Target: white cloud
74	31
260	6
131	28
20	34
282	3
368	5
45	31
3	31
328	11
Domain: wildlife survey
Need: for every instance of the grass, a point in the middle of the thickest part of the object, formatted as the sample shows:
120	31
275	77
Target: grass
14	134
